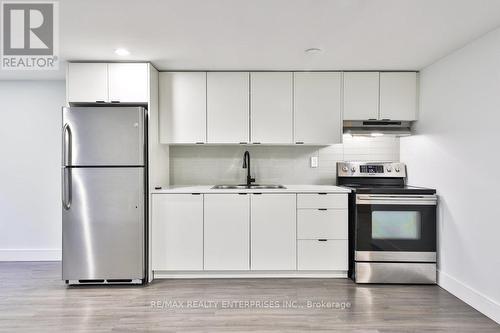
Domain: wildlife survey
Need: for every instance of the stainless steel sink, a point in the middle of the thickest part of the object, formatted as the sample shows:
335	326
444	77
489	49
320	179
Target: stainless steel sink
245	187
270	187
228	187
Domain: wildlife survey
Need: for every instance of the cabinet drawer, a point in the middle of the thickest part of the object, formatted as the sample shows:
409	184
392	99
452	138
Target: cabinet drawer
322	255
318	224
316	200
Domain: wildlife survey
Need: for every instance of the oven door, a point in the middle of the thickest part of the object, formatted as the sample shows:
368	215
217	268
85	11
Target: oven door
393	228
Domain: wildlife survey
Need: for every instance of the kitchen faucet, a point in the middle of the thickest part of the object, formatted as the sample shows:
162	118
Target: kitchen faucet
246	165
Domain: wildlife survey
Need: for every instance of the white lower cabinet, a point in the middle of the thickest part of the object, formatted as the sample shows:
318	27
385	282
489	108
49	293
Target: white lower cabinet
320	255
227	232
273	232
322	232
248	231
177	231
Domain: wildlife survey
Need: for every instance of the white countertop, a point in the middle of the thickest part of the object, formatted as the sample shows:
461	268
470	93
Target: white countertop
288	189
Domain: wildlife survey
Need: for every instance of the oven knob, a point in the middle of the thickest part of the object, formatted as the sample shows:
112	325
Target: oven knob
389	169
345	168
396	169
353	169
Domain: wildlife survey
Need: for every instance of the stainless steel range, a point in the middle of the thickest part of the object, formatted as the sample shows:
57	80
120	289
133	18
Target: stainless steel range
392	226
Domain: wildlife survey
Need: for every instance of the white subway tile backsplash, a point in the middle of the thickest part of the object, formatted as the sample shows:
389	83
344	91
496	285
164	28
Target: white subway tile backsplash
204	165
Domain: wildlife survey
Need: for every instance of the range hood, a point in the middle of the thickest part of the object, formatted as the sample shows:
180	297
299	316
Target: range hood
377	127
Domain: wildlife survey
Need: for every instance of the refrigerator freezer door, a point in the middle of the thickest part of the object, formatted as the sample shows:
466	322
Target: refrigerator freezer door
98	136
103	224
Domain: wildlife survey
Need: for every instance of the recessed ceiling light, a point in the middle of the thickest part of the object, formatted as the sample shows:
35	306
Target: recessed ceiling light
122	52
313	50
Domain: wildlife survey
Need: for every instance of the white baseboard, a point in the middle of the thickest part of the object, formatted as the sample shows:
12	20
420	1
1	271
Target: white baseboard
474	298
30	254
247	274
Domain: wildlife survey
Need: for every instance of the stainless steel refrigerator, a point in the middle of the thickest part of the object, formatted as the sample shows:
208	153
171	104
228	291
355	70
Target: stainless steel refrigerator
104	154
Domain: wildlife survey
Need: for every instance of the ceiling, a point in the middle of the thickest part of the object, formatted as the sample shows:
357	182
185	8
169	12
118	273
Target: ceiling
269	34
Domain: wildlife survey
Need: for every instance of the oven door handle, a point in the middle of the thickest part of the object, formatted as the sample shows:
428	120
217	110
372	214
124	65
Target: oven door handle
392	199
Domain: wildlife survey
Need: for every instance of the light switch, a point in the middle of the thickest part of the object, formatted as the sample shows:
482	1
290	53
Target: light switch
314	161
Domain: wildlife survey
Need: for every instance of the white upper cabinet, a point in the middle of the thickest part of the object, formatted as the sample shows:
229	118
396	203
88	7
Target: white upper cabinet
108	83
182	107
87	83
361	95
271	107
227	107
227	232
128	83
273	232
380	96
317	107
398	96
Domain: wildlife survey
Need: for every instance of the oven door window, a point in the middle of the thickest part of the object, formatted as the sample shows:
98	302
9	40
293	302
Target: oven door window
396	228
396	224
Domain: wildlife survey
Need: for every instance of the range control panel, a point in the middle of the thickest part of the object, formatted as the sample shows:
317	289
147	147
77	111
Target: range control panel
371	169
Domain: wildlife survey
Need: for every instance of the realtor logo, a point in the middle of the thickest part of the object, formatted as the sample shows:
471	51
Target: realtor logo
29	35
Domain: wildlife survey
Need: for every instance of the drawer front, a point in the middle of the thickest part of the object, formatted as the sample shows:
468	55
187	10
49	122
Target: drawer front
316	255
315	200
322	224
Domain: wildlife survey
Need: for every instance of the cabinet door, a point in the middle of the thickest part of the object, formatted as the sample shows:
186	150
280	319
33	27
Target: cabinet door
182	107
271	107
177	229
227	107
128	83
87	82
273	232
361	93
398	96
227	235
317	108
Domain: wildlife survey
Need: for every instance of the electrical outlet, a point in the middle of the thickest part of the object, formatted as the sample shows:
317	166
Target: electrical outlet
314	161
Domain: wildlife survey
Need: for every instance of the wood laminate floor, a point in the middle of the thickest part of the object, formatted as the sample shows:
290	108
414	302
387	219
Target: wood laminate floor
33	298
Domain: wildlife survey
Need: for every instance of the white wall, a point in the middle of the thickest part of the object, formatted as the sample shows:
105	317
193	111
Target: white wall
30	210
195	165
456	151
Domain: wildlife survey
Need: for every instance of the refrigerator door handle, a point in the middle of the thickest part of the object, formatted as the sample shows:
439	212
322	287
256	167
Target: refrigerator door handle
66	150
66	188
